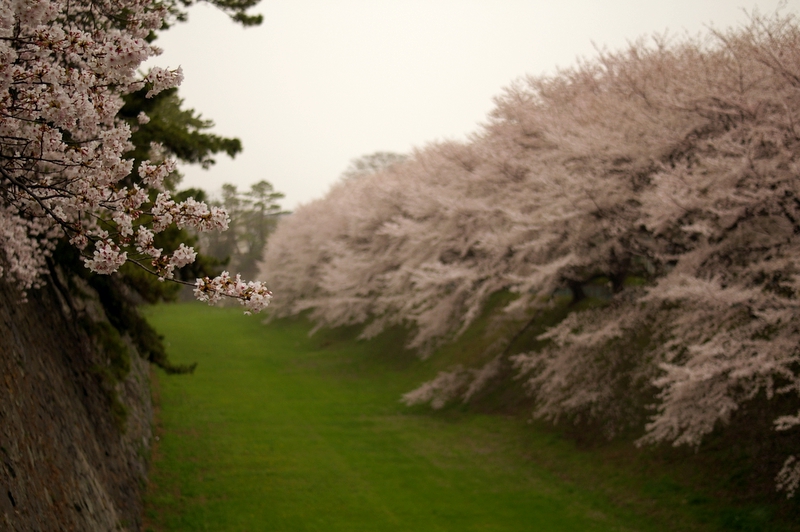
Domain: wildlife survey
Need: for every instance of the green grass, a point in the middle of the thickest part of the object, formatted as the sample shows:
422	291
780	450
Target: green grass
276	431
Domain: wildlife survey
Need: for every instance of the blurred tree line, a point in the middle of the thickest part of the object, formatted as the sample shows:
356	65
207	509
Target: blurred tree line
253	215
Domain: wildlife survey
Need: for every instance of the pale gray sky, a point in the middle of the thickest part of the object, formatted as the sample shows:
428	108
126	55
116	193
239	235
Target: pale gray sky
323	82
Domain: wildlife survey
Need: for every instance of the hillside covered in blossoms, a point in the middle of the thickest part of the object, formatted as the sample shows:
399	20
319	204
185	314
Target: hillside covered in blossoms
651	193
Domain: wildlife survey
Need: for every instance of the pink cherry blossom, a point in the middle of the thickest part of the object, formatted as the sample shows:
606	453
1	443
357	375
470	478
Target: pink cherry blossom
64	67
668	172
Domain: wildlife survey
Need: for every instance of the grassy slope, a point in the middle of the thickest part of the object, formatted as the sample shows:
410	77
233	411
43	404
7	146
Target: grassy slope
279	431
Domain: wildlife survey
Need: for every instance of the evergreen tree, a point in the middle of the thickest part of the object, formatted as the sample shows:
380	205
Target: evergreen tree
254	215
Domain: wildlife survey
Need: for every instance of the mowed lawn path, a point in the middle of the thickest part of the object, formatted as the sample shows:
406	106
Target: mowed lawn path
276	431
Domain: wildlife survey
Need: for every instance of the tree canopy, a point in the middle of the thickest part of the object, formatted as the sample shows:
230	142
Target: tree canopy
664	174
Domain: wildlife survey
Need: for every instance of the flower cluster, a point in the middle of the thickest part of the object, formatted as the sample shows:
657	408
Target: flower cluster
253	295
64	67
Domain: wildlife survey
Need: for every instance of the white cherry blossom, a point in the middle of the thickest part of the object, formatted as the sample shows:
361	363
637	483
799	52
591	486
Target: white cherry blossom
64	67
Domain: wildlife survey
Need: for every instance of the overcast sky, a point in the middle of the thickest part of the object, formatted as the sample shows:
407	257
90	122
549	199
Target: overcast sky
323	82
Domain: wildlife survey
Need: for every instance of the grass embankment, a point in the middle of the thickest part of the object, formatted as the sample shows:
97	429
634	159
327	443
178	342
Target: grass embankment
279	431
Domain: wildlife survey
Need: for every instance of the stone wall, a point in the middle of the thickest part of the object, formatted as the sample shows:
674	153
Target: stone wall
75	422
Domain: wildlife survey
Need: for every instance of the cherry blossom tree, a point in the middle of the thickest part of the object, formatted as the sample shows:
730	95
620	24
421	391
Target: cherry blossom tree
667	170
372	164
64	69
